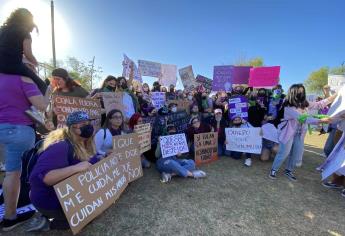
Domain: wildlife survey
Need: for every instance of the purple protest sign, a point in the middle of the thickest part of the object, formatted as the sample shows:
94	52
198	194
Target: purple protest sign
238	106
222	77
241	74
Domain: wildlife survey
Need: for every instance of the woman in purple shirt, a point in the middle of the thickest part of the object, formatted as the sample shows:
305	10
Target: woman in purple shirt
17	94
65	152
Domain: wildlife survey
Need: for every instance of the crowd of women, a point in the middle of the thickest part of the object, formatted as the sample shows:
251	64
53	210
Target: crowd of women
74	148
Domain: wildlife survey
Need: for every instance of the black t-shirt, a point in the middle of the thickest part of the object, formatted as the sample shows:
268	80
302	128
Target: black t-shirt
11	44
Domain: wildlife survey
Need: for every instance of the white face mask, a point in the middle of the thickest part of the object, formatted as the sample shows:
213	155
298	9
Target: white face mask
174	109
218	118
190	98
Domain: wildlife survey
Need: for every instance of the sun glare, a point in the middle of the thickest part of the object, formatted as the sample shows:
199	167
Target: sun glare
42	42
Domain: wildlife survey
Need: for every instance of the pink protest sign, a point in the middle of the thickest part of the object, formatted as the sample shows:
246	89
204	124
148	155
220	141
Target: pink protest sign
264	77
241	74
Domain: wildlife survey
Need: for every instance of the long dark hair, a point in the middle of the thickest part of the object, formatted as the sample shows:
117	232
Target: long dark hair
108	118
296	97
21	18
109	78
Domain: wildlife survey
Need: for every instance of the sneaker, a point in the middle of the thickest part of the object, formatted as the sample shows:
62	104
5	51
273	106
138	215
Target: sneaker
273	174
165	177
343	192
331	185
248	162
197	174
8	225
39	224
290	175
298	164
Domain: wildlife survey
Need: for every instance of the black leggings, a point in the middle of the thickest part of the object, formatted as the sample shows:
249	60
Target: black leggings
23	70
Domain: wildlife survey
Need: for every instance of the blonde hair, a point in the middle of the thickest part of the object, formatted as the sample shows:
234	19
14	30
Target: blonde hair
82	150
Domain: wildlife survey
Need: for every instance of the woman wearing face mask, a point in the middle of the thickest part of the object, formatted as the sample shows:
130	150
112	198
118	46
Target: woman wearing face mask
196	127
194	111
65	152
221	102
171	95
108	85
238	122
172	166
172	108
219	124
292	129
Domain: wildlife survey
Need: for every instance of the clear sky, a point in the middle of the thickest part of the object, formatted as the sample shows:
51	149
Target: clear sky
299	35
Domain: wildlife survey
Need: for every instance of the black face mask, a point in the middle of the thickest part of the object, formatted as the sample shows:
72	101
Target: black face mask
171	90
237	124
123	86
86	131
300	97
110	87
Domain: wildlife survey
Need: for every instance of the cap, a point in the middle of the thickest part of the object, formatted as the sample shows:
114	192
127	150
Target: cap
60	73
218	111
77	117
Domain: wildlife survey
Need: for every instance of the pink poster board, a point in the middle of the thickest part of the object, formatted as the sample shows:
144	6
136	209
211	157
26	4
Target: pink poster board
264	77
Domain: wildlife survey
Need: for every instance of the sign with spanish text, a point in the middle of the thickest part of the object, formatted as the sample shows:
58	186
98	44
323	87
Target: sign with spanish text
238	107
187	77
149	68
222	78
158	99
264	77
247	140
206	147
128	66
171	145
144	135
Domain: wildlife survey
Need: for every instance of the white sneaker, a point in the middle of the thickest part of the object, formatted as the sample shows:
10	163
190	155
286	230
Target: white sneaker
165	177
197	174
248	162
298	164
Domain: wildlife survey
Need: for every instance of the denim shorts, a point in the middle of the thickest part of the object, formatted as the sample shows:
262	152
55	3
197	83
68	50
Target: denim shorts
15	139
267	144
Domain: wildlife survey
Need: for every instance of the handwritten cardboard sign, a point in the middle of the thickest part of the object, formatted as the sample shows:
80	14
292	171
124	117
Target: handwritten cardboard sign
206	147
171	145
127	151
119	100
222	78
187	77
127	64
336	82
144	135
86	195
149	68
65	105
264	77
158	99
246	140
238	106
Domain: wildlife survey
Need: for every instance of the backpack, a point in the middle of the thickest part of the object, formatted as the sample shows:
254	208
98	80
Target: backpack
29	160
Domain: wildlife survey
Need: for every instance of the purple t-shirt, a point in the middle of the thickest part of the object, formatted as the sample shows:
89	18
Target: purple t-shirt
54	157
14	94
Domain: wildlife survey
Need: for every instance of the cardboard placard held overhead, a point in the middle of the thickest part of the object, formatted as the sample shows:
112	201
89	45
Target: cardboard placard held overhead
222	78
64	105
171	145
168	75
144	135
206	147
127	151
127	67
149	68
86	195
246	140
187	77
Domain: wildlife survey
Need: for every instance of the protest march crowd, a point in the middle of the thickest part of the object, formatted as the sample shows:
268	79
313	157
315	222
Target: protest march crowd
60	140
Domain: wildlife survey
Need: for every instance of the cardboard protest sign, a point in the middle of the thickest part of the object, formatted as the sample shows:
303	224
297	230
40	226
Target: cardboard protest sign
238	106
168	75
241	74
64	105
187	77
127	67
246	140
119	100
86	195
171	145
144	135
204	81
149	68
264	77
337	109
158	99
336	82
270	132
127	151
206	147
222	77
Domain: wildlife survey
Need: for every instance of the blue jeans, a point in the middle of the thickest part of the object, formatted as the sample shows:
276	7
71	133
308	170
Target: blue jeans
293	150
329	145
175	166
16	139
221	149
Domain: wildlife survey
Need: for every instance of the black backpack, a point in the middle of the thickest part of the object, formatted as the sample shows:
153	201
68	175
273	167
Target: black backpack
29	160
